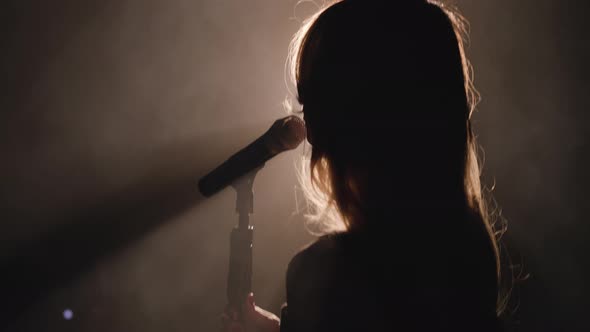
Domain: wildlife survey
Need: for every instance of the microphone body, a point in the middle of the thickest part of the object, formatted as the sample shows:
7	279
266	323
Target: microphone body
285	134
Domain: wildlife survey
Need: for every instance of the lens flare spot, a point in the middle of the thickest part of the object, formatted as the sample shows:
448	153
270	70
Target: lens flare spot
68	314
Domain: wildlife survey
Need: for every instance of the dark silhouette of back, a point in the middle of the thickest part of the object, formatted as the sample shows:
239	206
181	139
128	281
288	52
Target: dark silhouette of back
409	279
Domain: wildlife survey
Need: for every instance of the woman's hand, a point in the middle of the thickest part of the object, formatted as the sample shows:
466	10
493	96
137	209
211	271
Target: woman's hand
250	319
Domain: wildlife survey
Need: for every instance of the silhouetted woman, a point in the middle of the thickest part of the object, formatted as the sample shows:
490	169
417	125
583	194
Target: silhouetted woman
393	176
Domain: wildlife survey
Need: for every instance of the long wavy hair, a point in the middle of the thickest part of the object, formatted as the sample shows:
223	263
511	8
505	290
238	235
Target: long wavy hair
387	95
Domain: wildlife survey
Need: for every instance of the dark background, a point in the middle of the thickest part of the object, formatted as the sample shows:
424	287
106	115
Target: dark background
112	110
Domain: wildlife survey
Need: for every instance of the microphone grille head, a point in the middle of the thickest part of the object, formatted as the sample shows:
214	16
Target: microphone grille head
287	133
294	132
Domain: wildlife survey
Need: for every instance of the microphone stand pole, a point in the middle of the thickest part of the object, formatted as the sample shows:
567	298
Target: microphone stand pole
239	281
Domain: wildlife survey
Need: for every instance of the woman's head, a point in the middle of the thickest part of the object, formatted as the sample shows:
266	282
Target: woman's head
387	98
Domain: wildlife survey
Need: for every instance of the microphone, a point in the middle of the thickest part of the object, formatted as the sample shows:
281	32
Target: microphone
285	134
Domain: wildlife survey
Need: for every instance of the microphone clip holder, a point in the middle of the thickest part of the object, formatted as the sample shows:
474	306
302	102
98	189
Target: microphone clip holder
239	282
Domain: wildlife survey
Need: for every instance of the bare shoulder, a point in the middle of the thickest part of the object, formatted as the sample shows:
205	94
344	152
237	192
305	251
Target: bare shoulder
315	258
321	248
